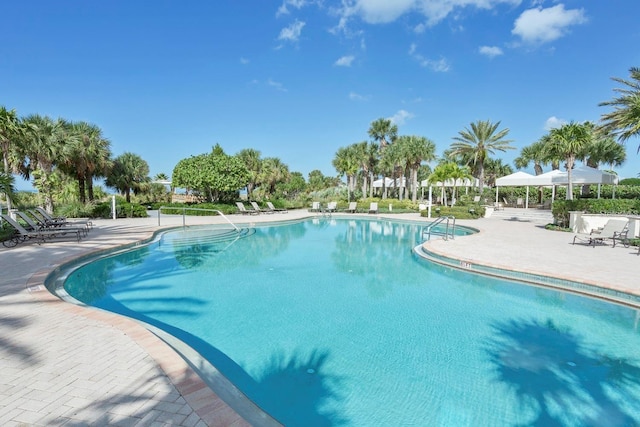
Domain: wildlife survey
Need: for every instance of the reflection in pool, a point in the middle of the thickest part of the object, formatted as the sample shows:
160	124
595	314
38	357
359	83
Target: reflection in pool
336	322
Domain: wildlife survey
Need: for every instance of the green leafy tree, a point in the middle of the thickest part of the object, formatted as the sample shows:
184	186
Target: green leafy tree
130	173
624	120
211	175
272	172
293	186
479	143
383	131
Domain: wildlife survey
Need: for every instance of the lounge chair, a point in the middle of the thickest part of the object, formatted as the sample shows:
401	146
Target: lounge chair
498	206
244	211
504	199
37	226
60	220
614	229
353	207
39	235
274	209
519	202
315	207
332	206
476	199
373	207
259	210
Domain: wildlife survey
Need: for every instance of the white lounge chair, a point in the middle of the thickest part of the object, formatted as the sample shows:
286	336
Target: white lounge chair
353	207
274	209
332	206
244	211
373	207
519	202
315	207
614	229
259	210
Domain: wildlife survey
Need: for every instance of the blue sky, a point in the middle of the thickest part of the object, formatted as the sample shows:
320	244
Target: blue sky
297	79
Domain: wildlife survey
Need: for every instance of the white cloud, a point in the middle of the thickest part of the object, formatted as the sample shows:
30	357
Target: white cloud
244	61
490	51
357	97
538	26
401	117
292	32
440	65
345	61
553	122
276	85
434	11
284	8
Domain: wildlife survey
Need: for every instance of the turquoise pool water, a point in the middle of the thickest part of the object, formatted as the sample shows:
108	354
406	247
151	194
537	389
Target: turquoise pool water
338	323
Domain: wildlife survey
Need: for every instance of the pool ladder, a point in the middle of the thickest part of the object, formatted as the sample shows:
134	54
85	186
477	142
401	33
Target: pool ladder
449	229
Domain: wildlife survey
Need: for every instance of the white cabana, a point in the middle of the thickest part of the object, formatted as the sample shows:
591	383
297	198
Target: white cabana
474	182
585	175
390	182
517	179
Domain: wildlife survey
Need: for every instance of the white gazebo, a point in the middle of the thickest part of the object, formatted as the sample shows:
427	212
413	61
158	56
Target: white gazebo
517	179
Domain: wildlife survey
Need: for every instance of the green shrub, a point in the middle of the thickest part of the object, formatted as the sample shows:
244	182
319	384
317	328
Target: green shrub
561	208
459	212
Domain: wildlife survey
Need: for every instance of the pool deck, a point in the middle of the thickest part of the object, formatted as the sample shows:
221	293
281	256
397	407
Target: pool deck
64	364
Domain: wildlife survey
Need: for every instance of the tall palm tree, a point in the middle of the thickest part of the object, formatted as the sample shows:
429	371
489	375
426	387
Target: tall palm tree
570	140
417	149
478	143
43	144
129	173
272	172
391	164
624	120
10	132
383	131
533	153
347	162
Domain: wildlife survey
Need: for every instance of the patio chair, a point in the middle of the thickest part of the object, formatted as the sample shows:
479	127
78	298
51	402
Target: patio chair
519	202
244	211
274	209
373	207
315	207
39	225
60	220
40	235
614	229
259	210
332	206
353	206
476	199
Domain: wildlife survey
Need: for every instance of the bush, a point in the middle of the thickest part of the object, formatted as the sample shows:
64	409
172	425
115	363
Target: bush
459	212
123	210
561	208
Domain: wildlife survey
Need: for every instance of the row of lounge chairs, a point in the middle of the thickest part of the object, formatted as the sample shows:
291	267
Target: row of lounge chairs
333	207
256	210
38	225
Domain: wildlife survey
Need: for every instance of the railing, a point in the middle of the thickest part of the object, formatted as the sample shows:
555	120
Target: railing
449	231
184	214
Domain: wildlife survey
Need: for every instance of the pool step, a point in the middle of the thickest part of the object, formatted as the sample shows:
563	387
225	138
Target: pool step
201	236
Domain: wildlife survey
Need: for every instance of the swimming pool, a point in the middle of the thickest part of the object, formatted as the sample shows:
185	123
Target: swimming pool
337	322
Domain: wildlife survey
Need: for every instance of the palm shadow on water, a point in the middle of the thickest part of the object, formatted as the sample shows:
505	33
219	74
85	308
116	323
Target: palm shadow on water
296	390
556	376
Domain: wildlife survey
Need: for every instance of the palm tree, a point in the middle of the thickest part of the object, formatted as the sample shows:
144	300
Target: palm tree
43	143
383	131
272	172
570	140
129	173
477	143
251	159
416	150
624	121
10	131
86	152
391	163
347	162
533	153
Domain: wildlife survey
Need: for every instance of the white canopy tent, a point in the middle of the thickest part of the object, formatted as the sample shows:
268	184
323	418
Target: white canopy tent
517	179
584	175
390	182
466	182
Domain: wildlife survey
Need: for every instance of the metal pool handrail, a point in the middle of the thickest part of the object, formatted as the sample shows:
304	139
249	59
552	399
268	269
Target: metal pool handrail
451	222
184	210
